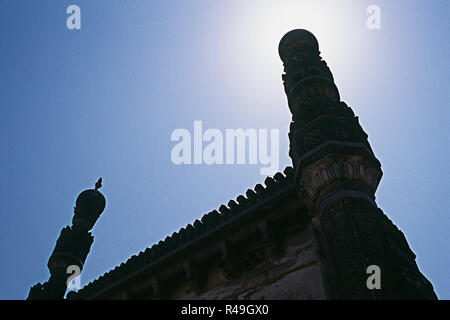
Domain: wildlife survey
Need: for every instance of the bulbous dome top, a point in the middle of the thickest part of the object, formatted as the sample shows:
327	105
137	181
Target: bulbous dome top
91	200
89	206
297	40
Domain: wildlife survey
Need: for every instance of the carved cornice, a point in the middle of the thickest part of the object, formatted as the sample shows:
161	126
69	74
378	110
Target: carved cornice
208	224
317	176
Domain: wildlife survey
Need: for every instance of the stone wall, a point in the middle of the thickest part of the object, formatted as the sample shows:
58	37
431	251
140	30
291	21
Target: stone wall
267	253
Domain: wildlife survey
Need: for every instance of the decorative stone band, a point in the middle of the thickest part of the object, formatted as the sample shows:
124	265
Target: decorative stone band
323	129
309	89
59	262
317	176
331	198
72	248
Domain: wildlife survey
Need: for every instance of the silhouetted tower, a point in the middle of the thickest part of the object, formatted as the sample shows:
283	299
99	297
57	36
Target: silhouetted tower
337	174
72	246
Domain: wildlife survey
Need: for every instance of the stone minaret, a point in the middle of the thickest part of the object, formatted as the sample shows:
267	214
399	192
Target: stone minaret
337	174
72	246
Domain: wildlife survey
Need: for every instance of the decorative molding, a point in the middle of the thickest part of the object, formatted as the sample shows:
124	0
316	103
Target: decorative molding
322	173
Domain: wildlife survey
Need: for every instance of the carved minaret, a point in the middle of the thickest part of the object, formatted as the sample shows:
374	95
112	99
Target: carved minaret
72	246
337	174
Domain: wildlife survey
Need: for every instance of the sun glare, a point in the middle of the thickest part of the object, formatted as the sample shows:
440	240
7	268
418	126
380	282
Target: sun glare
254	32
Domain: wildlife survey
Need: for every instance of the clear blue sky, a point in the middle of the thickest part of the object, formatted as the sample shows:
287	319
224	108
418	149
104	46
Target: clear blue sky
104	100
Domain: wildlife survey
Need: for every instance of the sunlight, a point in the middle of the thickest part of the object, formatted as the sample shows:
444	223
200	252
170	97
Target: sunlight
255	31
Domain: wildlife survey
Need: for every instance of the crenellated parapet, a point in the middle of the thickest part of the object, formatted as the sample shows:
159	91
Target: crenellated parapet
228	253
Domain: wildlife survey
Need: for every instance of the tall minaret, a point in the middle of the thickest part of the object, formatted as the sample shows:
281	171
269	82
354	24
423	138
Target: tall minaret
337	174
72	246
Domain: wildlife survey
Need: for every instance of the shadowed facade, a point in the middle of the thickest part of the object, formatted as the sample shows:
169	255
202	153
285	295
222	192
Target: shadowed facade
310	233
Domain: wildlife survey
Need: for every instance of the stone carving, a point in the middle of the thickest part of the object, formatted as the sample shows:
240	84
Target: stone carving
337	175
267	243
335	167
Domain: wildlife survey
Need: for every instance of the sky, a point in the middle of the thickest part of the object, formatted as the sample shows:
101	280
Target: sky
105	99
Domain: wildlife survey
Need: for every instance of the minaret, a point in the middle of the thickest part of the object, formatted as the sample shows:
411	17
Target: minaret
337	174
72	246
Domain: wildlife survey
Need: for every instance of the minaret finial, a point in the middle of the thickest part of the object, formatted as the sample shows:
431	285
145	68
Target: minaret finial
72	246
98	184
